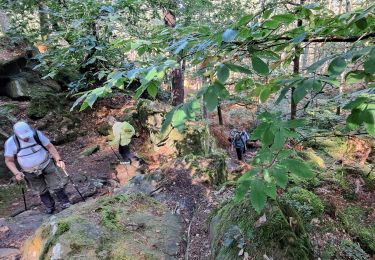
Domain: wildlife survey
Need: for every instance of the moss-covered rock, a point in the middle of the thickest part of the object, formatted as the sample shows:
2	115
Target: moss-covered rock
90	150
237	226
306	203
194	139
357	222
40	106
117	227
104	129
211	168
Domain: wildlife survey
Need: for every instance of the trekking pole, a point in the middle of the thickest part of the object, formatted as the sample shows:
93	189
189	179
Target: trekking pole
118	157
74	185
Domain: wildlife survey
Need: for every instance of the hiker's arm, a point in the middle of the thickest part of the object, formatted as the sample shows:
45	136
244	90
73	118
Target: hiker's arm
55	155
9	161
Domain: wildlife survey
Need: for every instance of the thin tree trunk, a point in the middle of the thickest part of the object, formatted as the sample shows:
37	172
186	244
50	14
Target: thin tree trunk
219	114
296	66
43	20
178	92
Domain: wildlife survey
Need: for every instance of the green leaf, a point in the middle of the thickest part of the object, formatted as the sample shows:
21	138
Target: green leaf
361	24
151	74
229	35
356	103
223	73
298	168
355	76
369	65
279	141
259	66
282	95
299	38
152	89
264	94
211	100
242	189
337	66
294	123
354	120
268	136
178	119
245	20
270	189
368	117
79	100
237	68
280	175
91	99
258	197
284	18
318	64
167	121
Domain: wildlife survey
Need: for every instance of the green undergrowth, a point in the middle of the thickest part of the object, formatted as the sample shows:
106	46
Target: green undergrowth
8	195
306	203
236	226
357	223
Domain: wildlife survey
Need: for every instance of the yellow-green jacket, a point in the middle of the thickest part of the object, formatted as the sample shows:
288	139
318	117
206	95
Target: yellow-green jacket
122	132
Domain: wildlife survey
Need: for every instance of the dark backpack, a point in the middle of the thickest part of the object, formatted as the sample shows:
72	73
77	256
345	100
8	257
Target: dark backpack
36	138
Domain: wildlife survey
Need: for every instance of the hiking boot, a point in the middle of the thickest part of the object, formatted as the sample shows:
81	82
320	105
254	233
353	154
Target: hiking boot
127	162
65	206
49	211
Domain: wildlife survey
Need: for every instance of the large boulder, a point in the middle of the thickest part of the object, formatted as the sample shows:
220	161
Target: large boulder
18	88
116	227
194	139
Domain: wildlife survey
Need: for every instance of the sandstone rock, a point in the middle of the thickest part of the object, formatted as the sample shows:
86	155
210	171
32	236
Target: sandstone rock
9	253
115	227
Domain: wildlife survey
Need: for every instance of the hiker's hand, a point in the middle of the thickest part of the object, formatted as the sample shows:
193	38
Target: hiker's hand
61	164
19	176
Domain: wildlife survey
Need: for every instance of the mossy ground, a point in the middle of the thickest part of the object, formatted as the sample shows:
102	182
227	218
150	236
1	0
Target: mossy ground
8	195
357	223
236	225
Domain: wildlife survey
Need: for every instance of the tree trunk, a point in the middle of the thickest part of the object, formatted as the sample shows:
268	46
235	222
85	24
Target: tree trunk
177	73
296	65
219	114
178	92
43	20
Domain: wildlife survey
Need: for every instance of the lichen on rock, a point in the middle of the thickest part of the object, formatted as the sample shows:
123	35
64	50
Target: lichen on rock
116	227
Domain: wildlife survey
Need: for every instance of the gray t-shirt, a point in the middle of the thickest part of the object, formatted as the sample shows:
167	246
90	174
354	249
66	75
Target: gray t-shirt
32	156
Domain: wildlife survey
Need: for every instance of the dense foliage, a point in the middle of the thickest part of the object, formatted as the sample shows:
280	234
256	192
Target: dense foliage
115	43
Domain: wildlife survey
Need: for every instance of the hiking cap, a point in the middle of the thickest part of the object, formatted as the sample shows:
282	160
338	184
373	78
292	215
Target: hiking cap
23	130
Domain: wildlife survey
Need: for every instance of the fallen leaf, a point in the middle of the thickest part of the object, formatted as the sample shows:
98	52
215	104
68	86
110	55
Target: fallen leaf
261	221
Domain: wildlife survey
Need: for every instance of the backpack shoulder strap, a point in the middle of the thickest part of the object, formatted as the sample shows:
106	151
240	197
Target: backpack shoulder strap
17	142
37	139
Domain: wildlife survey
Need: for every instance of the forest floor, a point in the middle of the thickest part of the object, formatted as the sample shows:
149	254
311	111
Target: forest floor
191	198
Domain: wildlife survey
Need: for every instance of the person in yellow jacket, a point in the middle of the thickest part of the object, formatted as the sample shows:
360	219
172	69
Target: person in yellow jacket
123	133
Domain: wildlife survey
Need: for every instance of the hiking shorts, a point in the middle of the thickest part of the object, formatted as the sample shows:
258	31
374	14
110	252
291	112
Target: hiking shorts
51	179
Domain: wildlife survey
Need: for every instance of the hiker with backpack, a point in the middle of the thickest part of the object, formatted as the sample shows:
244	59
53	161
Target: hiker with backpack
122	136
239	140
30	155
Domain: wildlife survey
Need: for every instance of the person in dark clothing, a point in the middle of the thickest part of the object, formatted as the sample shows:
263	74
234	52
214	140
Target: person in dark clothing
238	140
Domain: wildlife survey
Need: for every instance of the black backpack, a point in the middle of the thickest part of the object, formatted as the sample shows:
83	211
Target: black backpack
36	138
